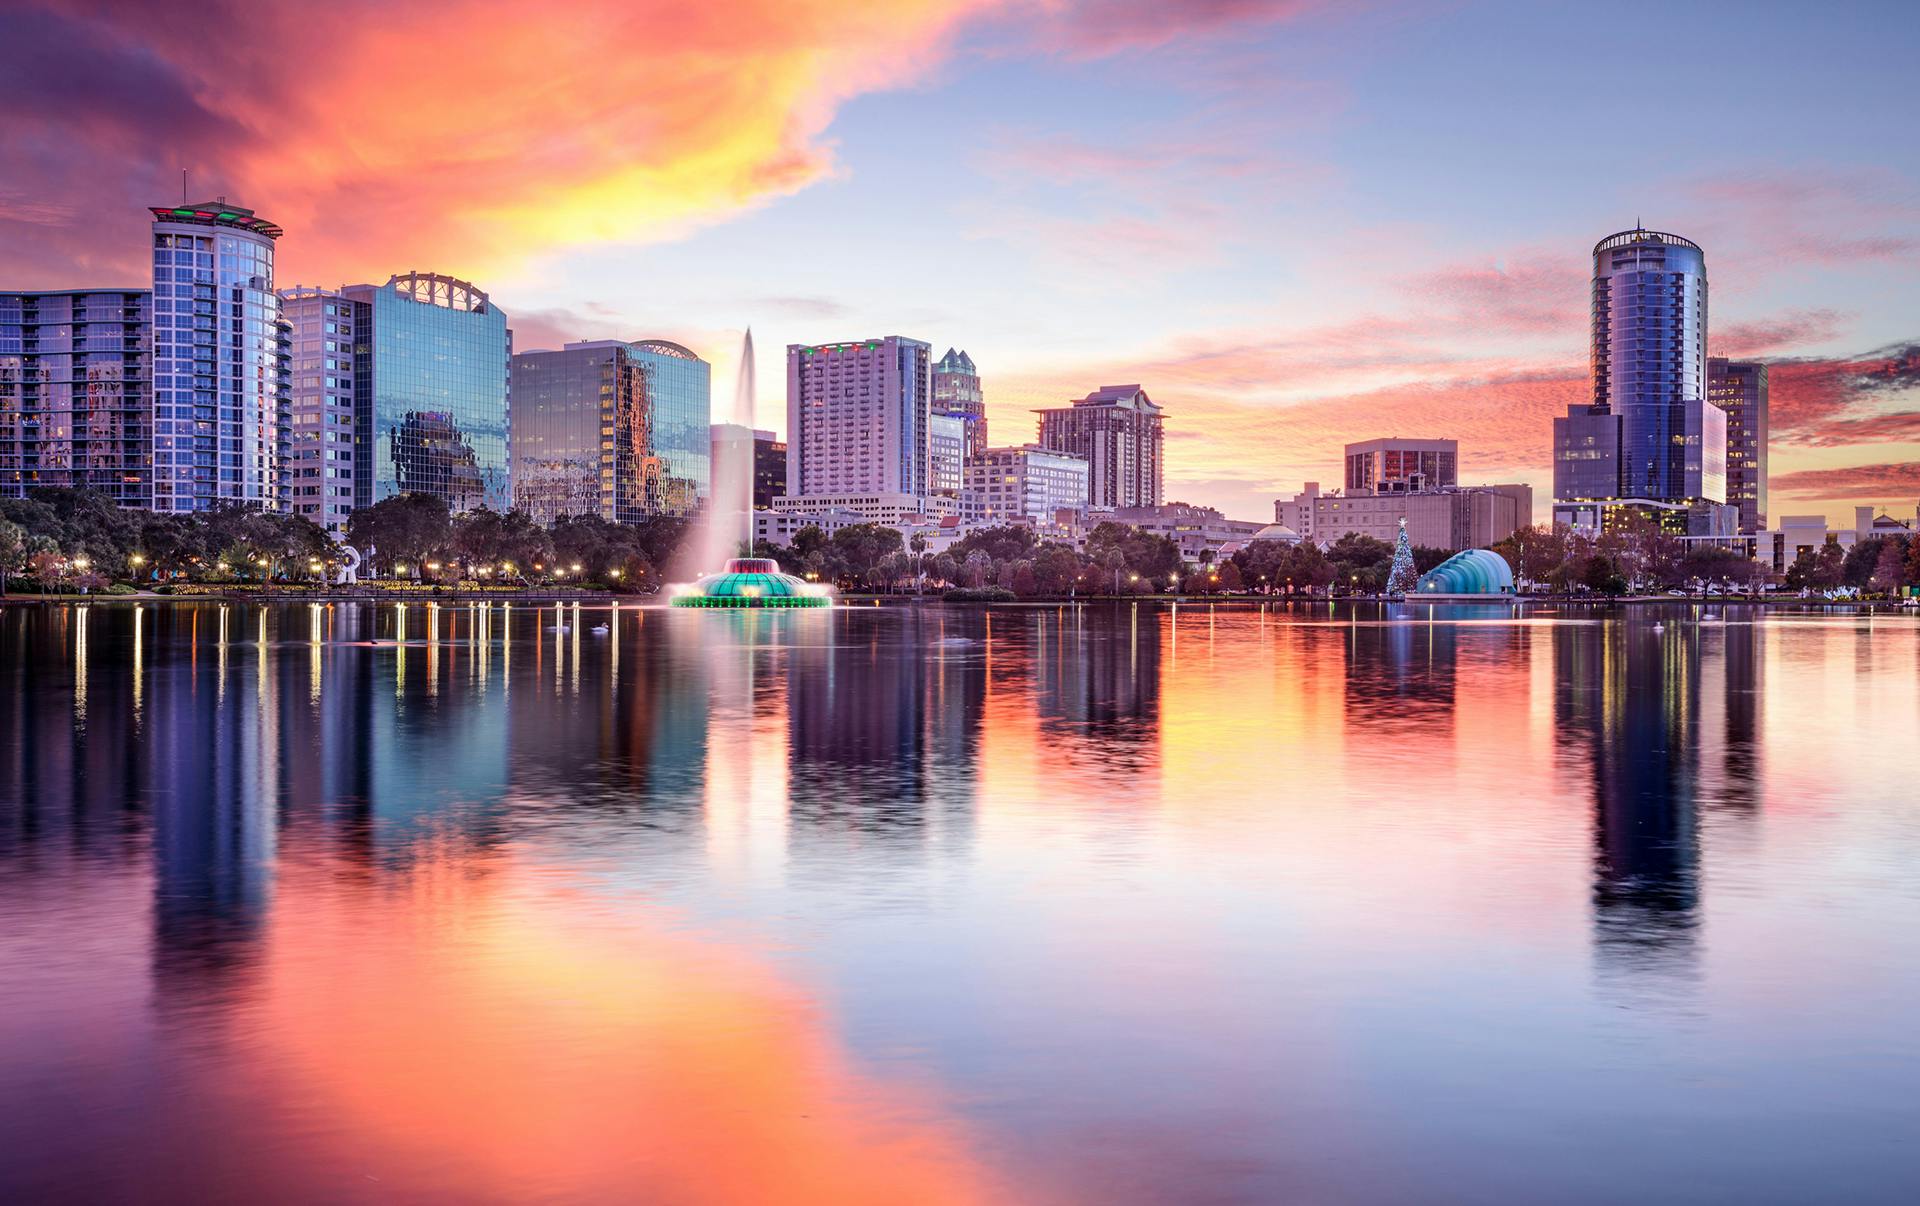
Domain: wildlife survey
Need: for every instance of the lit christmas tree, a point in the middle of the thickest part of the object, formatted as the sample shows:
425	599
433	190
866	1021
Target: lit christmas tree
1402	578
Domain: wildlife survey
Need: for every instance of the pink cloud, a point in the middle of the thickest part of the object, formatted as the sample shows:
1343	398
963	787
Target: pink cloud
1899	480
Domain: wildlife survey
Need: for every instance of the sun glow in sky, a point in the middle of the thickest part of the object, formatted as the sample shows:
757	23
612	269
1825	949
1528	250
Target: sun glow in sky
1295	223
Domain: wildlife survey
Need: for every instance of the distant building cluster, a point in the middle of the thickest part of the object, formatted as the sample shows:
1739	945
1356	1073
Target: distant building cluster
212	388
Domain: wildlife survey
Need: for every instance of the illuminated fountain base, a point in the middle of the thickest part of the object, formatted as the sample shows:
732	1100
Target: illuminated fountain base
751	582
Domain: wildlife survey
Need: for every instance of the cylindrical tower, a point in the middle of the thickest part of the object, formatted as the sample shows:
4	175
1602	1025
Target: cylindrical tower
216	380
1650	365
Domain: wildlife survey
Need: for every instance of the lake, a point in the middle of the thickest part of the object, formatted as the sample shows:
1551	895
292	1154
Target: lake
1119	904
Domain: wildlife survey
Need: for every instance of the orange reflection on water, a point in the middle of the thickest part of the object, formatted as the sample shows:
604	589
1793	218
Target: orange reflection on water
479	1031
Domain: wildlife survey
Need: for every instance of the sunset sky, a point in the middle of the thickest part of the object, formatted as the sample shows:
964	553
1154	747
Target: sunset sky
1294	223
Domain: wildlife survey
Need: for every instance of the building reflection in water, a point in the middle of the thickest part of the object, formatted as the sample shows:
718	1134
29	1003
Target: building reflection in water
1633	696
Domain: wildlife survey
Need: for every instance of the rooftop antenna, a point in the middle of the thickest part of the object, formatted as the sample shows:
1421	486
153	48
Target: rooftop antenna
183	186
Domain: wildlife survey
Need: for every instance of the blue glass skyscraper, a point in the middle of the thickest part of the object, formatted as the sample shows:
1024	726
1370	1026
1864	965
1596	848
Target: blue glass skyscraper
1650	440
430	392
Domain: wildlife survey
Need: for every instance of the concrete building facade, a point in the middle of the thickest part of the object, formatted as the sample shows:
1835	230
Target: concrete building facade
1118	431
857	418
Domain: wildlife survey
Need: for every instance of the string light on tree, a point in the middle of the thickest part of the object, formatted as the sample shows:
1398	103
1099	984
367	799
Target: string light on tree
1403	577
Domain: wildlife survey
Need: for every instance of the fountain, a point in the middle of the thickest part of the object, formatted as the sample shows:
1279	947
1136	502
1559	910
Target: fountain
726	532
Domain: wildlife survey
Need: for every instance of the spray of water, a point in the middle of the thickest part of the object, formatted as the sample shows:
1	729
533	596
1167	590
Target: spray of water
728	521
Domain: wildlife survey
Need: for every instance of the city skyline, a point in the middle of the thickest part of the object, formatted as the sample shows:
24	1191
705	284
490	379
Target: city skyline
1311	226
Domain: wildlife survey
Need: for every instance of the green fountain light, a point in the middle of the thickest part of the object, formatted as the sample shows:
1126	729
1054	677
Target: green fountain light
751	582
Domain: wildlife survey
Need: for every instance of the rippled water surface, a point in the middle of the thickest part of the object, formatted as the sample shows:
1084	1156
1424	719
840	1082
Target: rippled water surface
886	905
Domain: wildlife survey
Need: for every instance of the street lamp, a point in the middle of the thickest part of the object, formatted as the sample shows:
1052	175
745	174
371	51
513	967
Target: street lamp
575	567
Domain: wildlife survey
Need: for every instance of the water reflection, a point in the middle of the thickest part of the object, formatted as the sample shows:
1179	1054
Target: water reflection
448	895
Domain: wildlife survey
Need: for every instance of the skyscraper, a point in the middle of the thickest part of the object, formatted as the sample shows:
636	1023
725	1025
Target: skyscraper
1117	430
74	407
318	468
215	358
857	417
1739	387
430	392
956	392
597	430
1667	442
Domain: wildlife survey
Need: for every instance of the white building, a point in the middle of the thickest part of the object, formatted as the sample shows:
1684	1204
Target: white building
1797	534
1025	483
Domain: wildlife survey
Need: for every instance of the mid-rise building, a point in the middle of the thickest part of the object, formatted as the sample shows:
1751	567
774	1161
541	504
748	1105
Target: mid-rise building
957	392
317	470
1779	548
430	393
857	418
75	408
1393	464
947	455
1117	430
1739	387
216	378
598	429
1666	443
1454	519
1029	483
769	469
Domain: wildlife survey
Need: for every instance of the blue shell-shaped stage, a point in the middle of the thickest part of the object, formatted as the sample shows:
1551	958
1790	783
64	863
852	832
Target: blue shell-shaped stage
1476	573
752	582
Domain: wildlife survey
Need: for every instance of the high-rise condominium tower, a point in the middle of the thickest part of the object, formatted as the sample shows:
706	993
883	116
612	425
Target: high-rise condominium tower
1116	429
430	393
216	380
74	410
1649	440
956	392
317	469
857	417
1739	387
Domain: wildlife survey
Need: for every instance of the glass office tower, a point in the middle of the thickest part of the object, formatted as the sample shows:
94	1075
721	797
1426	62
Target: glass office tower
1649	372
679	405
74	411
1739	387
430	392
601	428
216	377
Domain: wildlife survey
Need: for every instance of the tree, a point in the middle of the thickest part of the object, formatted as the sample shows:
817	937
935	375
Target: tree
1861	561
405	528
1602	576
1355	553
1056	568
1024	583
1401	576
1230	579
862	545
1889	572
1008	542
13	548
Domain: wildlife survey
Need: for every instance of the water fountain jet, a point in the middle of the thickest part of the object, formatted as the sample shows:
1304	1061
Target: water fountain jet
725	535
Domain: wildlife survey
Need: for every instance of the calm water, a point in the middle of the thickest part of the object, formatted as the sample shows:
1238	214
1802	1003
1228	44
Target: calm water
876	906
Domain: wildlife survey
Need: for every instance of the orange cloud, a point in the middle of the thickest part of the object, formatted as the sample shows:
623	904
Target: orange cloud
466	135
